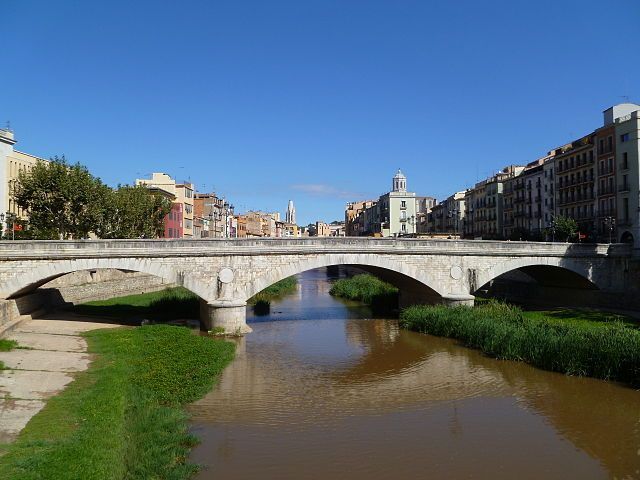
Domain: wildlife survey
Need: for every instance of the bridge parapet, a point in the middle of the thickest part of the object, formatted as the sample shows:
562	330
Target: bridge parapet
10	250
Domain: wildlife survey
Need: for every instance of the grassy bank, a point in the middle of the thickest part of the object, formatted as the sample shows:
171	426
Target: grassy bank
124	417
274	291
607	349
167	304
171	303
367	289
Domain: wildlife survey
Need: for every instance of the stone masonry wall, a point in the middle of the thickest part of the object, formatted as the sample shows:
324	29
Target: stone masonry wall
101	284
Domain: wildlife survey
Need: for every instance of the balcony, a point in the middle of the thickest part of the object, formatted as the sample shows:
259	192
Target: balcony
623	188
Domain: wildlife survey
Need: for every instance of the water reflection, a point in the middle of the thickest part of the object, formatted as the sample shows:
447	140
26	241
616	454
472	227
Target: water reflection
317	391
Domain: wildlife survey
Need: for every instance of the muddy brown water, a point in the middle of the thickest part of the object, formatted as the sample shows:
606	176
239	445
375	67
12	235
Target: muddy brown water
321	391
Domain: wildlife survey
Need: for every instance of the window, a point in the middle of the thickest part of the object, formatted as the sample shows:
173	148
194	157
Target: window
625	160
403	204
625	208
624	137
609	143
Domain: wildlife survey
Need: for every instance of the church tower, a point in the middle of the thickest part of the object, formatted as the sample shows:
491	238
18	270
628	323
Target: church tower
399	182
291	213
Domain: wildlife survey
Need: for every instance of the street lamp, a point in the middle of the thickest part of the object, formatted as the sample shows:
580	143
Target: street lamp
1	225
225	209
610	222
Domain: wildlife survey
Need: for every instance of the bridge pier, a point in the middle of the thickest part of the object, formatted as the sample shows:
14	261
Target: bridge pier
455	299
229	315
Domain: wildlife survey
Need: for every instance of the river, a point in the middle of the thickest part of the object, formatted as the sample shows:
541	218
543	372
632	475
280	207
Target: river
320	390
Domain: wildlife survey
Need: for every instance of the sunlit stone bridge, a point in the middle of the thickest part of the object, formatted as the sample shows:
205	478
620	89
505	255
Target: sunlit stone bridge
226	273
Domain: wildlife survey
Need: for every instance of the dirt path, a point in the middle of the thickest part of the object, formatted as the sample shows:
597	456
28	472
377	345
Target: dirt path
53	351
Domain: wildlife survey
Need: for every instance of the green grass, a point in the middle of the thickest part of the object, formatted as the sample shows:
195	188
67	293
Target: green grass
167	304
124	417
275	291
2	366
581	318
367	289
7	345
556	341
172	303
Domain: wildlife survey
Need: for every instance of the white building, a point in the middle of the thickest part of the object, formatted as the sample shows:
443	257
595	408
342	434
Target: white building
12	162
398	209
626	118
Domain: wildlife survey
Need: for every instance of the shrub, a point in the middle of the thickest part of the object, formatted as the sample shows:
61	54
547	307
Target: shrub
610	350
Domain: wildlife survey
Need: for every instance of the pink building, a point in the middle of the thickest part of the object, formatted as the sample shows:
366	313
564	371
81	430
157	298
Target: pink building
173	222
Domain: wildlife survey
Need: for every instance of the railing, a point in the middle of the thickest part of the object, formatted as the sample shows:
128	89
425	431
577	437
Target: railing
623	188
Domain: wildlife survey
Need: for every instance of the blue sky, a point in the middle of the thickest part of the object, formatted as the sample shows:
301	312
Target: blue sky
315	101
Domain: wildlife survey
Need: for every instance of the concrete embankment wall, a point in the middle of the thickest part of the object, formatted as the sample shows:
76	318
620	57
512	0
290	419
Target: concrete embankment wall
78	287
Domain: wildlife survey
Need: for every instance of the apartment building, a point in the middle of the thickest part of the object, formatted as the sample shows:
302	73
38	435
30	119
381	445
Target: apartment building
353	218
576	182
447	217
323	229
484	205
626	121
182	192
12	162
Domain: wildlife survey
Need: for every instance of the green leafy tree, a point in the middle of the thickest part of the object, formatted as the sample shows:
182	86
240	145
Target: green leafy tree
134	212
64	201
566	228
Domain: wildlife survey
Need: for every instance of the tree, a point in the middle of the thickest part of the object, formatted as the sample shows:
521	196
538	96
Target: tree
63	201
565	228
66	201
134	212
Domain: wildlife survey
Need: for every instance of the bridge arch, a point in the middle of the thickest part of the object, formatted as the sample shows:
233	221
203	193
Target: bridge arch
411	279
581	274
43	273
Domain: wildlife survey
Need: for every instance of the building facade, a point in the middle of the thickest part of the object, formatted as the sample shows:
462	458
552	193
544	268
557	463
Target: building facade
182	192
12	162
626	120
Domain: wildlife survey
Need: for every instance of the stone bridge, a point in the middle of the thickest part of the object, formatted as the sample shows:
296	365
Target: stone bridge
226	273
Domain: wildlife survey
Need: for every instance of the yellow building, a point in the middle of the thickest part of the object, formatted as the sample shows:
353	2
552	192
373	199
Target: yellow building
12	162
183	193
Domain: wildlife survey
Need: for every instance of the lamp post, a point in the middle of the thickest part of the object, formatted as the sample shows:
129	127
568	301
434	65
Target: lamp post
412	222
11	218
225	211
453	214
610	222
1	225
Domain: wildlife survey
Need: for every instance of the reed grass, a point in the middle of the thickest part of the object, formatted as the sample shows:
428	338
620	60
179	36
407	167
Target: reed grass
608	350
367	289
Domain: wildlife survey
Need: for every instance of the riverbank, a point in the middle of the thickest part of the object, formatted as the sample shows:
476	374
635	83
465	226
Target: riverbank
368	289
171	303
585	344
124	417
168	304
